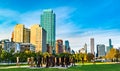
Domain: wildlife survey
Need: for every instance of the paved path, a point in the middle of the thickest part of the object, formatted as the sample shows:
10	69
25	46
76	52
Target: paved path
14	67
33	67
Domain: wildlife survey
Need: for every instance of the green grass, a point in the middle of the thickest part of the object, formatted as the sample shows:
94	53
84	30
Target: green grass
6	65
86	67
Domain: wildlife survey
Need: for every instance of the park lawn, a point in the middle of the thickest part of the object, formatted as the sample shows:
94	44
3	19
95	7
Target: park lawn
96	67
7	65
92	67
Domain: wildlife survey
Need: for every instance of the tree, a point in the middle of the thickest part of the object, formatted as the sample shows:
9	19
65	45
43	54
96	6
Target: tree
90	57
82	57
0	52
46	56
113	53
15	55
0	49
4	55
117	55
77	57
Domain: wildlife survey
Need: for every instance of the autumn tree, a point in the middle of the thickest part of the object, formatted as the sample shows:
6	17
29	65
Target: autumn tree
117	55
113	53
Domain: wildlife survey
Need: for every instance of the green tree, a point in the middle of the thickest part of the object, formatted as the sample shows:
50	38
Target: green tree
4	55
77	57
45	54
0	52
0	49
15	55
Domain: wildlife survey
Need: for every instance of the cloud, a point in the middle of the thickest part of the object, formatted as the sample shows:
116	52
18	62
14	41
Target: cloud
66	28
64	24
10	18
7	17
100	37
30	18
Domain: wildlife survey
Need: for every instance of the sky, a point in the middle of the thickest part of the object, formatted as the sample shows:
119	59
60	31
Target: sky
76	20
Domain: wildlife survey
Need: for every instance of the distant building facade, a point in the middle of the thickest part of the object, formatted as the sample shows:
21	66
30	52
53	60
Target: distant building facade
26	35
6	45
21	34
110	46
59	46
85	47
67	46
92	45
38	38
15	46
82	50
18	33
100	50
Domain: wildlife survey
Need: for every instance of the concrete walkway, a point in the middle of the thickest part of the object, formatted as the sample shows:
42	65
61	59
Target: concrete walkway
59	67
7	67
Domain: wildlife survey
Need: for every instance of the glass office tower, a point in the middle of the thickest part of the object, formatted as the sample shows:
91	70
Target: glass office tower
48	23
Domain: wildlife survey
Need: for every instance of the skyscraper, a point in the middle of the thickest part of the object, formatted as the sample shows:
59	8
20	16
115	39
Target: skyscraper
26	35
59	46
110	43
38	38
21	34
100	50
18	33
48	23
92	45
66	45
85	47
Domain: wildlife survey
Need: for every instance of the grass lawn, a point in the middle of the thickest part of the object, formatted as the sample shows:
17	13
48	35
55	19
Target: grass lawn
86	67
6	65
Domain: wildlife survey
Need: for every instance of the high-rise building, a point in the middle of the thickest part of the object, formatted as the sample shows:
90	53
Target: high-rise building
85	47
38	38
92	45
69	50
110	43
100	50
66	45
12	36
64	49
18	33
59	46
26	35
48	49
48	23
108	49
21	34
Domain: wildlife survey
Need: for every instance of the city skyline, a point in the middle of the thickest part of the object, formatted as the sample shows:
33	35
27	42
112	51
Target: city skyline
91	19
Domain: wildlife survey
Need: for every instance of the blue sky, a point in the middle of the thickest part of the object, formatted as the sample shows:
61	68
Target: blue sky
76	21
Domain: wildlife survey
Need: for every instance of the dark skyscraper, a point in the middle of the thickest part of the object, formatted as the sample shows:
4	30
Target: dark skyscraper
48	23
110	43
67	45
